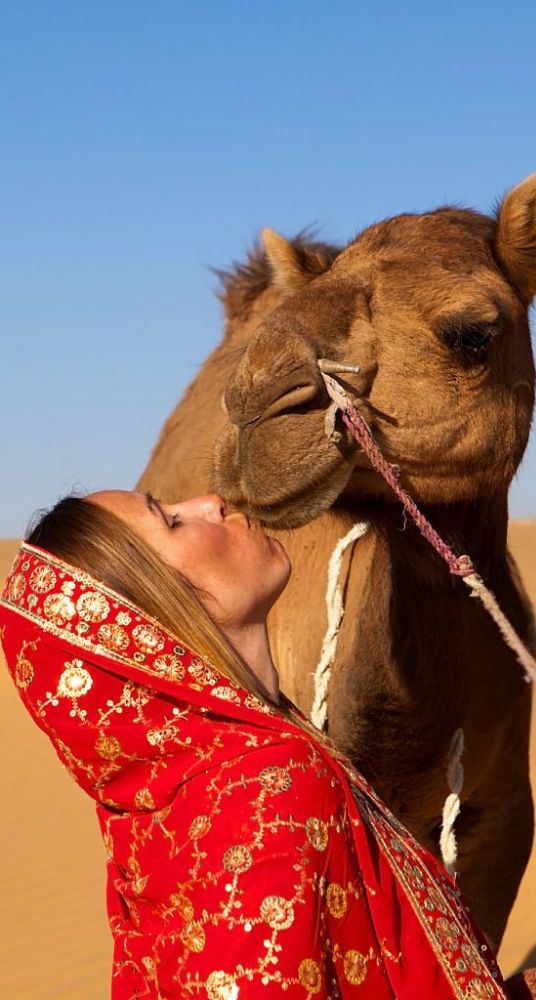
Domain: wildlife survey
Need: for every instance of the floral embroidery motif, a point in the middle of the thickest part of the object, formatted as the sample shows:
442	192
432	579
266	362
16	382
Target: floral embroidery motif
93	607
148	638
221	986
193	936
309	975
237	859
42	579
336	900
317	833
59	608
108	747
75	680
16	587
355	967
277	912
275	780
113	637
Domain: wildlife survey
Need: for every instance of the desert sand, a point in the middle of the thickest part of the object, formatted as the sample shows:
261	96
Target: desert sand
55	942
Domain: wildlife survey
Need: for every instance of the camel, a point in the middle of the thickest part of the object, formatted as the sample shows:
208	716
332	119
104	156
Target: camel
433	308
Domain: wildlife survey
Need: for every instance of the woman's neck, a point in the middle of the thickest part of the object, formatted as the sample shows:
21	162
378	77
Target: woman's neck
252	644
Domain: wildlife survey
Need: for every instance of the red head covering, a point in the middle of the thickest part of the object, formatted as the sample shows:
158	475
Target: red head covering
243	859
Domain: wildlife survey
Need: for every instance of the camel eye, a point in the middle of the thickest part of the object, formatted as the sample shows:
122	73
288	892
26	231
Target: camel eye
469	341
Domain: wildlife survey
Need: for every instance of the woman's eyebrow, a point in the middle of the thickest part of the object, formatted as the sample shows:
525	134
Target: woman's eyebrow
152	502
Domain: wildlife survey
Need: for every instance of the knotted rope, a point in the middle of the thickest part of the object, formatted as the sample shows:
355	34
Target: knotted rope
458	565
452	805
335	611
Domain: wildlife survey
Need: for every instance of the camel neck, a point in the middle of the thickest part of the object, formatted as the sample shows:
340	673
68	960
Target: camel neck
475	528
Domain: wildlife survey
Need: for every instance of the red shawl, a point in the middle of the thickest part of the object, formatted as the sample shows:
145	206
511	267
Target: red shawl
243	859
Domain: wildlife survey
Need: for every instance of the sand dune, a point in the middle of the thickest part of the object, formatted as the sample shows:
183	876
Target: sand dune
55	943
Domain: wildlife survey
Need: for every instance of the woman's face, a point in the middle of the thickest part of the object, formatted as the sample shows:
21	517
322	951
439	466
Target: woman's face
242	569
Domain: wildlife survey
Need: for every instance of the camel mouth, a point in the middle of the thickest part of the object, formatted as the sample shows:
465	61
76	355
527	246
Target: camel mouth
308	501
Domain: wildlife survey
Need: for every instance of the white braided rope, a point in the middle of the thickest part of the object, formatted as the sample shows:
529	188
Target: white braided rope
335	611
447	838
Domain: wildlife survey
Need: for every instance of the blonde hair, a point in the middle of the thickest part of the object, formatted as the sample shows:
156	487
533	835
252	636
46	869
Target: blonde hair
102	544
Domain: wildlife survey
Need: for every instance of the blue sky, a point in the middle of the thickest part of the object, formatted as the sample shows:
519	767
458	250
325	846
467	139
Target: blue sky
143	142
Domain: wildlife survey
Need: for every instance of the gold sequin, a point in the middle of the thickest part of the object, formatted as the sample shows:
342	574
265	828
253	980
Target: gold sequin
199	826
317	833
75	680
144	799
113	637
225	693
59	608
309	975
183	905
447	933
202	673
170	666
275	779
221	986
93	607
237	859
277	912
336	899
16	588
355	967
108	747
193	936
148	638
471	957
42	579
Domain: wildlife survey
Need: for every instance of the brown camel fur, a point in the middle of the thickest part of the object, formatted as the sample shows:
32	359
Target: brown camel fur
433	308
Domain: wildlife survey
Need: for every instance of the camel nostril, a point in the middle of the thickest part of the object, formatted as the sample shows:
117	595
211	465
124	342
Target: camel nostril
291	400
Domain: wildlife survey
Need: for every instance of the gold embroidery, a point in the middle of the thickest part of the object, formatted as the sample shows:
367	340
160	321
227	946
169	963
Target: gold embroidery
317	833
59	608
309	975
221	986
237	859
355	967
144	799
24	671
275	779
336	900
277	912
113	637
193	936
75	680
93	607
16	587
202	673
199	827
148	638
108	747
170	666
42	579
225	693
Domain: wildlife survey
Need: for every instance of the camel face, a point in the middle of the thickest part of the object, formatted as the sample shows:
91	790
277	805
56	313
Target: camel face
433	310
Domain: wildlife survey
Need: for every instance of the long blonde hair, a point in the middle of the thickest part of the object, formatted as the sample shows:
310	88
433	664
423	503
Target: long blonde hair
102	544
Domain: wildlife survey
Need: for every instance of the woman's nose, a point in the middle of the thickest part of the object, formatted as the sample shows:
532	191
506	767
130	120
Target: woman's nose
209	508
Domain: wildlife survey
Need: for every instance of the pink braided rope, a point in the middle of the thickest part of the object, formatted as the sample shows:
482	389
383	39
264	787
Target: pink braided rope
458	565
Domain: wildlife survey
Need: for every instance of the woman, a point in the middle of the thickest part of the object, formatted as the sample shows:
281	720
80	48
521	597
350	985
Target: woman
245	856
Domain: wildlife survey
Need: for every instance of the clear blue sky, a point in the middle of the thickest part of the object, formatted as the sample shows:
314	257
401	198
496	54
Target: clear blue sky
144	141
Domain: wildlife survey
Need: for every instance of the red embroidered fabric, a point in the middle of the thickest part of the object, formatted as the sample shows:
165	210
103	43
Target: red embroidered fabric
243	860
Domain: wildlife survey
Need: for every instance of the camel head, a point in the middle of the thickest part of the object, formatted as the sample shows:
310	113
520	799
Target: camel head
433	309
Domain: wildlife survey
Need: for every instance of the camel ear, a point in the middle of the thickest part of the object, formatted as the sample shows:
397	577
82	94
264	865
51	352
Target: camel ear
515	240
294	264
